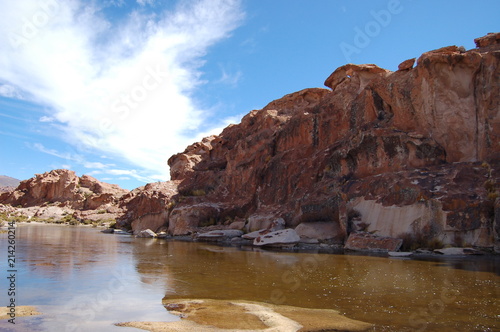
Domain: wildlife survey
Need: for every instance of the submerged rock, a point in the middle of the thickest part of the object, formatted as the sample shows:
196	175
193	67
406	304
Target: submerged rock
223	315
21	311
400	253
457	251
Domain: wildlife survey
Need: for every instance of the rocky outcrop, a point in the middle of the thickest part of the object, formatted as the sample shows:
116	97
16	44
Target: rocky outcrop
60	193
64	188
148	207
411	154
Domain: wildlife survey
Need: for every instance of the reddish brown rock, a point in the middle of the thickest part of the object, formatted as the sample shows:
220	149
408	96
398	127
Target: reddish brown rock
65	188
369	242
60	194
407	153
490	39
148	207
398	143
355	75
406	65
324	231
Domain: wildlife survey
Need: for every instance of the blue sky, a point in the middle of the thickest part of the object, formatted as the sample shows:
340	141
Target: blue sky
113	88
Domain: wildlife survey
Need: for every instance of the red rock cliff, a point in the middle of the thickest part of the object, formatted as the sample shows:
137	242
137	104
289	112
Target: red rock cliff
412	153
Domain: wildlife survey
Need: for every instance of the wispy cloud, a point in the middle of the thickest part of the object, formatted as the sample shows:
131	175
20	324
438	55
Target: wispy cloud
95	168
74	157
145	2
124	88
46	119
229	78
10	91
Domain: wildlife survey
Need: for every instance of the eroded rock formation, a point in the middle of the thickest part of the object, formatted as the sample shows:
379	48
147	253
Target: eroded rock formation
61	192
413	153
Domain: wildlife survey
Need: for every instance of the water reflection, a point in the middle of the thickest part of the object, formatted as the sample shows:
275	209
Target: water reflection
80	276
81	279
393	293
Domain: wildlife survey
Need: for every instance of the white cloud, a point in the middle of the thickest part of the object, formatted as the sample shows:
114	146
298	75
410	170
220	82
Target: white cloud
125	88
229	78
130	173
96	165
46	119
145	2
78	158
9	91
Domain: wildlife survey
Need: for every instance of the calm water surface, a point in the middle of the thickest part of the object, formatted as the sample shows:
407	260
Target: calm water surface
83	280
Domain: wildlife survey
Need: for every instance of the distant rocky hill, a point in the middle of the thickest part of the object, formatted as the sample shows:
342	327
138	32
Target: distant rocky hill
61	192
8	183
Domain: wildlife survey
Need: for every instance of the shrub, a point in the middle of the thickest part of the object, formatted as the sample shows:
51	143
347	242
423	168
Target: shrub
414	241
199	192
70	220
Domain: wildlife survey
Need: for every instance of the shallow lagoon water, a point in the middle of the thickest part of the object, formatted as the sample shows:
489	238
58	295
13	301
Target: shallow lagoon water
83	280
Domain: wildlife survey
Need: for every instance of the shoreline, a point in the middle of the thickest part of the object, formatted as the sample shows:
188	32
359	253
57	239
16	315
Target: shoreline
301	247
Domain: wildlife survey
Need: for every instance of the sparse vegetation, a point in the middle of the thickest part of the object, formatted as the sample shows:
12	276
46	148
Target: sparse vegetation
199	192
170	205
70	220
415	241
209	222
490	185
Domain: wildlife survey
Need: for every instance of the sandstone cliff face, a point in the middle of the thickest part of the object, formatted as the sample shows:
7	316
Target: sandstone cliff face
408	153
65	189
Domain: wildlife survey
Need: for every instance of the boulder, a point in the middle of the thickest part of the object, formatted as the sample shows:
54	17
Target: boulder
239	225
278	238
406	65
370	242
320	231
360	75
146	233
219	235
276	225
264	221
184	220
